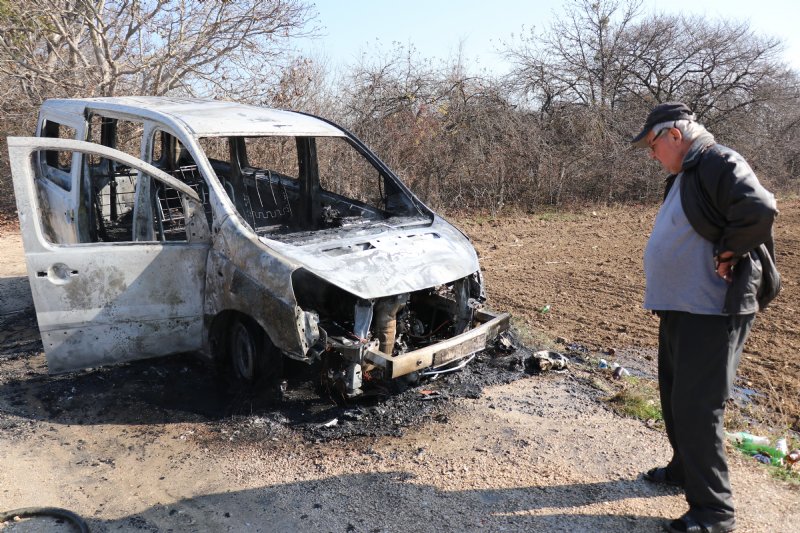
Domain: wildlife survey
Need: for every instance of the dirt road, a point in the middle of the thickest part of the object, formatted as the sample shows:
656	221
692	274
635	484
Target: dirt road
149	446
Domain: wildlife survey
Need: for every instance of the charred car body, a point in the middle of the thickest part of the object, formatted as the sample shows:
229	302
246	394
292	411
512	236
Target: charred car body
160	225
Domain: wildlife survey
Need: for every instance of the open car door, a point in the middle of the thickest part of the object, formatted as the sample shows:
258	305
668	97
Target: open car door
105	301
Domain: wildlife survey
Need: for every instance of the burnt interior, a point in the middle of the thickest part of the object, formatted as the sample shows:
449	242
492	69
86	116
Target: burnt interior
297	186
288	188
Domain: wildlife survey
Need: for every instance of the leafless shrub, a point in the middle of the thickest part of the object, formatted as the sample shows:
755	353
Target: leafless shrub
554	131
455	138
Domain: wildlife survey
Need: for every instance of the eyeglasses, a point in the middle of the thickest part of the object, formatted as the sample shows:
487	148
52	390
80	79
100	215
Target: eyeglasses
652	143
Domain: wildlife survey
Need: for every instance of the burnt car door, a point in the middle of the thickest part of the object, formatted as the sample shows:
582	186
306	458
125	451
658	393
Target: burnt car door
114	284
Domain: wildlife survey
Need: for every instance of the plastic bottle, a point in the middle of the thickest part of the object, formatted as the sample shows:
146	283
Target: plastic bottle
621	372
782	446
775	456
741	437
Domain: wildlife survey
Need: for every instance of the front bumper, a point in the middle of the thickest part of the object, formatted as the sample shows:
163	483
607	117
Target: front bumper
443	353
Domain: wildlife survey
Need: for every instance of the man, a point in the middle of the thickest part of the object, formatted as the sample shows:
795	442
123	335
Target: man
709	268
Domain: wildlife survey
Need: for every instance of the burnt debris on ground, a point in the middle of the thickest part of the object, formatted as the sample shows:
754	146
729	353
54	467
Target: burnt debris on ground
183	389
18	333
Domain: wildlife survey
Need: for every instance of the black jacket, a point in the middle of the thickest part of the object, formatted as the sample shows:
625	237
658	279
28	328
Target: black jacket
725	203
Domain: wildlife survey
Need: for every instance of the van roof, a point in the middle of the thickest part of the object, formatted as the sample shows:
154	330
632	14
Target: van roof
203	118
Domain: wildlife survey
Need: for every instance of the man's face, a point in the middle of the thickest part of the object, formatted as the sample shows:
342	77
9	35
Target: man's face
667	147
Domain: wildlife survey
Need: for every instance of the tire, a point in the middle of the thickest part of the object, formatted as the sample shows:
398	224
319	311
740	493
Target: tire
251	356
243	352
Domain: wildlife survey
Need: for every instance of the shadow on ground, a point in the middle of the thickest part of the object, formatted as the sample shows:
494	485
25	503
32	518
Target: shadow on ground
392	501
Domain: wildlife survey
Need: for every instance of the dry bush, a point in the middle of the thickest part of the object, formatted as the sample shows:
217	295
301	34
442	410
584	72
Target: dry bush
554	131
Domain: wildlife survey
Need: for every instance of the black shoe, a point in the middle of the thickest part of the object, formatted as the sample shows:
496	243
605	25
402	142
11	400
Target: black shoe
661	475
688	524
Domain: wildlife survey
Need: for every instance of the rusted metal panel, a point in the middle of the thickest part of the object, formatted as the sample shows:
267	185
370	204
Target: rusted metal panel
68	349
246	276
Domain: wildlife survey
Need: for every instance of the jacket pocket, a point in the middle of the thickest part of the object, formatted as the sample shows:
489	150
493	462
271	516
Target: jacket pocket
741	297
770	278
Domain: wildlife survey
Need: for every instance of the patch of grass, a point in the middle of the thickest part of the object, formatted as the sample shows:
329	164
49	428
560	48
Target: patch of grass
601	385
531	338
638	398
784	474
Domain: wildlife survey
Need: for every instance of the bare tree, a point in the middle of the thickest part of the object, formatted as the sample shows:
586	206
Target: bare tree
69	48
581	59
596	71
109	47
716	67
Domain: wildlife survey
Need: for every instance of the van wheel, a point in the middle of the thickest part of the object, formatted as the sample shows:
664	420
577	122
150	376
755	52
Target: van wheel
243	350
251	354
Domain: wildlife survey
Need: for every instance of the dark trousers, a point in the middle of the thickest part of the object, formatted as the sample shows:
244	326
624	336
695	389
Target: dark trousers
697	360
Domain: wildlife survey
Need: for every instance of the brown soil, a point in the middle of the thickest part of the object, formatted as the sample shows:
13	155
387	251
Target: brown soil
586	265
145	446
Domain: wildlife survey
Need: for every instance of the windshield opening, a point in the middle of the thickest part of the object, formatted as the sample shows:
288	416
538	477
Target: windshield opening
287	185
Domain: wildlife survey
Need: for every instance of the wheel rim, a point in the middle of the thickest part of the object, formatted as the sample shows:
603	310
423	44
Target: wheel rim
243	352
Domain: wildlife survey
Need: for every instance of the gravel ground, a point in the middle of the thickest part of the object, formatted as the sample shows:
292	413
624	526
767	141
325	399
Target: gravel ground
158	446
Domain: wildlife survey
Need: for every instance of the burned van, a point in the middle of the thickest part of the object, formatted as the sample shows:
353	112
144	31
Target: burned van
157	225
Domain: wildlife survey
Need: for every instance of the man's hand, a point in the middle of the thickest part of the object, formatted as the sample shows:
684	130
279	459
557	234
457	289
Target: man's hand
724	263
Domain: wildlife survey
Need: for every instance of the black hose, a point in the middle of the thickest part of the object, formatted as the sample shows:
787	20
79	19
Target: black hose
27	512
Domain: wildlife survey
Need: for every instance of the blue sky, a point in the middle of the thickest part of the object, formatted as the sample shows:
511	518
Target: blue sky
436	28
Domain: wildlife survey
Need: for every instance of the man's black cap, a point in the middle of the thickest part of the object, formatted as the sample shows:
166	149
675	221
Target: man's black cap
666	112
